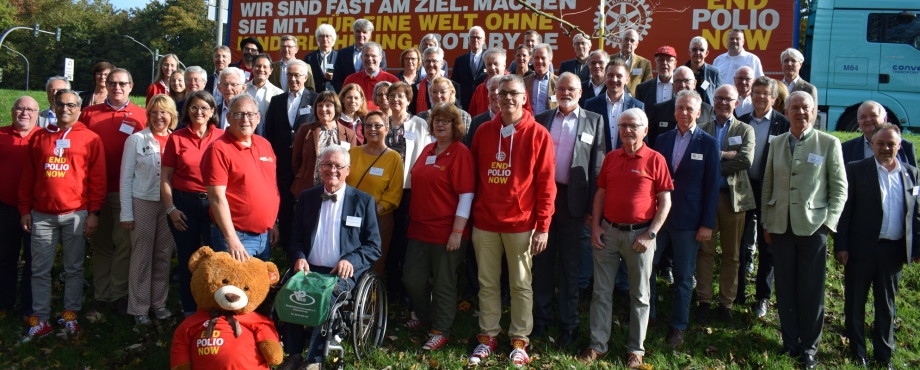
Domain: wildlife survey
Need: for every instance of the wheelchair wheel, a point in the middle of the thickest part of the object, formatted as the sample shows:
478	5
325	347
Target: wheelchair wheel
369	318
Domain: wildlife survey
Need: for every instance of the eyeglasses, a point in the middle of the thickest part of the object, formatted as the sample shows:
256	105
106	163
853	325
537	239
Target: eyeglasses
629	127
698	50
251	50
117	83
230	84
297	75
395	96
683	81
252	116
332	166
373	126
721	99
443	122
66	105
568	90
512	93
195	109
24	109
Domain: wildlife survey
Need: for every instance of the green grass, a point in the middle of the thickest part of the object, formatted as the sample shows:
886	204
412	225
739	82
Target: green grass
749	344
8	97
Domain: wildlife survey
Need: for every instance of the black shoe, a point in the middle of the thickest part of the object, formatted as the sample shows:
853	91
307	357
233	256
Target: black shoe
760	308
790	352
539	331
675	338
566	338
809	361
703	312
725	314
667	274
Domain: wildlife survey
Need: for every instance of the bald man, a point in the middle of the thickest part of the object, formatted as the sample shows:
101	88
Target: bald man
869	116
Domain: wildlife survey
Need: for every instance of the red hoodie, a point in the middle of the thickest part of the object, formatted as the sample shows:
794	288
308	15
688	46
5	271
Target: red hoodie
70	180
515	186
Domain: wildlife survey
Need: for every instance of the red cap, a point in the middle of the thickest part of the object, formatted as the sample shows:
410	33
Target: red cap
666	50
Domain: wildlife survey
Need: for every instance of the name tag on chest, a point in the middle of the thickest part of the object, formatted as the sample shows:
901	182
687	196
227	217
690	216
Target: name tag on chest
126	128
352	221
815	159
376	171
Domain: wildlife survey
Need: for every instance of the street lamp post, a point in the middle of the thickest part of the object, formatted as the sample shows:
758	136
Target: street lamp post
153	57
27	64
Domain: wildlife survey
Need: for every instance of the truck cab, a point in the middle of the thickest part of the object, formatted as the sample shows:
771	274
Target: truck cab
861	50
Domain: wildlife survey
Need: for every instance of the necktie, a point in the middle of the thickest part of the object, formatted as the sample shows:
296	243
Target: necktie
421	101
331	197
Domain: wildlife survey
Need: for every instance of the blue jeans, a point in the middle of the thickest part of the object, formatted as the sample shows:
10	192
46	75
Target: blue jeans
684	246
255	244
195	207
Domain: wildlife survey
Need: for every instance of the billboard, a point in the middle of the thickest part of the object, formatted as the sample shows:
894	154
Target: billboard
768	25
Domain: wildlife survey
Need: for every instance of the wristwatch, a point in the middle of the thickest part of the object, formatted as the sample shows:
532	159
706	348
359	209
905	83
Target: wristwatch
652	235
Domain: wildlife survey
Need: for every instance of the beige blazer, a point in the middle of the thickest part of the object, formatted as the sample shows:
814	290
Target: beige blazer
638	63
739	138
807	188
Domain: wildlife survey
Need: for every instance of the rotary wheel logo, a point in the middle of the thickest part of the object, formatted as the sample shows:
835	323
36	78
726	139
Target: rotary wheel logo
622	15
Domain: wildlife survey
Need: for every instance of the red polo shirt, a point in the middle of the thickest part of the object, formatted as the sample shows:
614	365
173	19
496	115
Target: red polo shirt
13	150
184	151
632	184
436	189
367	84
114	125
250	177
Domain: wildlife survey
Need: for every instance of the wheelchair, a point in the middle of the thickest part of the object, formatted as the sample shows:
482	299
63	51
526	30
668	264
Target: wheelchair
358	315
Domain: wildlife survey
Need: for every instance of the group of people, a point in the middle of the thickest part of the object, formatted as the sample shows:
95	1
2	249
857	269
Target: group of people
349	168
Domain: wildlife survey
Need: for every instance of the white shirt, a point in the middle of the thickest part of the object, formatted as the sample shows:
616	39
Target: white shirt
745	106
263	95
326	251
563	134
728	64
597	88
791	84
892	201
293	105
614	108
664	91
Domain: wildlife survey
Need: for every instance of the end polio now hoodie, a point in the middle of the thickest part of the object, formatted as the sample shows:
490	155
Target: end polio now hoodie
515	177
61	181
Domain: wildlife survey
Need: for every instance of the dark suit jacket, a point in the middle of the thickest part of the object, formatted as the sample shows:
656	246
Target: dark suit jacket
573	66
647	92
344	66
358	245
696	181
587	158
474	125
861	220
587	92
779	124
853	150
467	79
275	77
313	59
661	118
598	104
711	75
212	81
280	134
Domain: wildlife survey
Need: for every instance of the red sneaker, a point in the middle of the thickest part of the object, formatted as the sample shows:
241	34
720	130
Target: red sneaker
519	355
37	329
487	345
435	341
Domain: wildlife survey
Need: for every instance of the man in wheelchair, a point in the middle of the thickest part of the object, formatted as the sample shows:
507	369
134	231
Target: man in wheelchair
334	232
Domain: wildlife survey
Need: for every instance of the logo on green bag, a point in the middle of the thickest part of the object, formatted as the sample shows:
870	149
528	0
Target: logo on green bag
302	298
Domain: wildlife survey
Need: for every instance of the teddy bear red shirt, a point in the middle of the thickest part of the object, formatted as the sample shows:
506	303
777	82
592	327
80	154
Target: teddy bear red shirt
222	350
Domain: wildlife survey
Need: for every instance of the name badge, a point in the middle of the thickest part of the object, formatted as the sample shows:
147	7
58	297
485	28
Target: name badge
352	221
734	140
305	110
696	156
126	128
637	71
345	145
663	124
430	159
815	159
410	135
508	131
704	85
552	98
248	75
915	191
587	138
376	171
62	143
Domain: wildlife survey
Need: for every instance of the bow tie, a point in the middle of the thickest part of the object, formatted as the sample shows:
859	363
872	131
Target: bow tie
331	197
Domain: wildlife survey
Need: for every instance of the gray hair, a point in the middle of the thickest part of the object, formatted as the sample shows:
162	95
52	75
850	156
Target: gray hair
296	62
362	25
810	100
326	29
768	83
794	53
511	78
549	49
197	70
495	51
56	78
602	53
874	105
476	28
571	76
335	148
497	79
577	35
240	97
699	40
238	72
690	94
434	50
58	94
289	37
636	113
379	85
429	36
371	44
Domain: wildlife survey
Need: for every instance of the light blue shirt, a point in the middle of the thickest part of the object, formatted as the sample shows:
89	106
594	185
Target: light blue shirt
681	142
540	90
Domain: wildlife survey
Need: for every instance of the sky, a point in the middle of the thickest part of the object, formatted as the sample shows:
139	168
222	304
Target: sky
128	4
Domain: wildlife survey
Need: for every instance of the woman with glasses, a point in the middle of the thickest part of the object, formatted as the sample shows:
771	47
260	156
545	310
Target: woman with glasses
442	91
381	89
378	171
97	95
311	139
142	213
412	67
354	107
182	189
443	185
168	64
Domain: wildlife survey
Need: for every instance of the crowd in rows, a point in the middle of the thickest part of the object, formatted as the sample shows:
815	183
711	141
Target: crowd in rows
564	182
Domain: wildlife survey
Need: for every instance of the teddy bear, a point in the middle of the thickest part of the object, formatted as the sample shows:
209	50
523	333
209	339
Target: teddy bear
226	333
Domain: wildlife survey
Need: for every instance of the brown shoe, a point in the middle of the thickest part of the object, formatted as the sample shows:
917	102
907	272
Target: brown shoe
633	361
675	338
589	355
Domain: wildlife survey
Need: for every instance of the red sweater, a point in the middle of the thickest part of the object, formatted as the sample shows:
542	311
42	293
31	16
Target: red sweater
58	184
114	127
157	88
515	187
367	83
13	150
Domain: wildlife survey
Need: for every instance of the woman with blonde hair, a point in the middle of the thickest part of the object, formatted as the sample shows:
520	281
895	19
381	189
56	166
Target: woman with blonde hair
168	64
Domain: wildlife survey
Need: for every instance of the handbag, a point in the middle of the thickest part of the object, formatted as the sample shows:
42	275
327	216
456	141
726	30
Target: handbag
306	298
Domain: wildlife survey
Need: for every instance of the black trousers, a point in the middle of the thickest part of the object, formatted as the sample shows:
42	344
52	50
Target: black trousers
877	266
14	239
801	269
763	280
558	266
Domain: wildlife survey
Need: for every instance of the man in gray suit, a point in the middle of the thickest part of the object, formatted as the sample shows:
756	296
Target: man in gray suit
804	190
736	143
878	233
579	146
792	60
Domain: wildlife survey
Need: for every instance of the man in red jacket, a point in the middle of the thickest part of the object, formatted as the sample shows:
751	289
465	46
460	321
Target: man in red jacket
511	215
60	195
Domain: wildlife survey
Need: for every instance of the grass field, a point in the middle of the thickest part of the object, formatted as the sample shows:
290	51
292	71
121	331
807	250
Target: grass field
747	344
